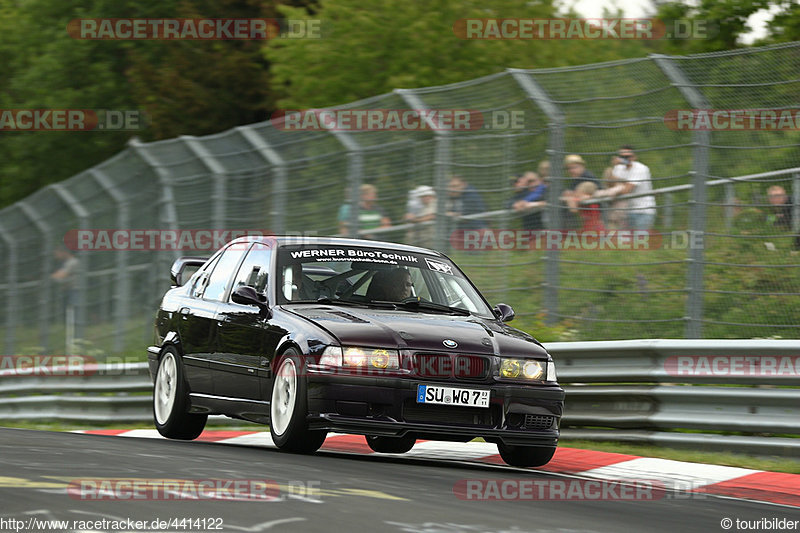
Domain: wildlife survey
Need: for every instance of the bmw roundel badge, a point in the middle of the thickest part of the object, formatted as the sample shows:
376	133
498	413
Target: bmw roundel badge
450	343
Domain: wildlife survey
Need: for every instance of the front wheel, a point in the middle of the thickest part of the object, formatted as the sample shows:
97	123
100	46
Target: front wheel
525	455
289	408
391	444
171	401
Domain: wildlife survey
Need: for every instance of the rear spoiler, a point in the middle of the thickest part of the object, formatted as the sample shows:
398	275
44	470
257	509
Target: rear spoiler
180	264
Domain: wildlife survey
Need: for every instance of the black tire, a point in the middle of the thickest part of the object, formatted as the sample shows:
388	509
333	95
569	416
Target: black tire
289	407
171	400
524	456
391	444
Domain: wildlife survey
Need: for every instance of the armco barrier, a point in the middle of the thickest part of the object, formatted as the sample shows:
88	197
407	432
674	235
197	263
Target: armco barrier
628	391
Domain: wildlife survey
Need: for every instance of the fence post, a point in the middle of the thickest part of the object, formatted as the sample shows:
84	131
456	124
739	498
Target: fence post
122	292
796	203
668	199
219	175
355	177
442	161
555	152
45	296
11	292
168	212
81	287
697	203
278	166
730	198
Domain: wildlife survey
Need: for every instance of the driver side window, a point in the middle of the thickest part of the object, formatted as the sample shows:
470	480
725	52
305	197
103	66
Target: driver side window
254	271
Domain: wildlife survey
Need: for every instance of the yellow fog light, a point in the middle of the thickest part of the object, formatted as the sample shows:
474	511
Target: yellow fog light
532	370
509	368
380	358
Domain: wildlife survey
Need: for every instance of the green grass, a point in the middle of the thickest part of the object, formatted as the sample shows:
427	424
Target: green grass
776	464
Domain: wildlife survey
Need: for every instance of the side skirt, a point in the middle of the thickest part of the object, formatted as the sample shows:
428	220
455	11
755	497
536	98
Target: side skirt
250	410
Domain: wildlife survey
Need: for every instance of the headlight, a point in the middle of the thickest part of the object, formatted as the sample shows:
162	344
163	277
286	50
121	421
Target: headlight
356	357
522	368
551	371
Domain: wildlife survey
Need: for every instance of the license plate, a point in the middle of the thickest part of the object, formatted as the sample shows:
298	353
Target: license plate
435	394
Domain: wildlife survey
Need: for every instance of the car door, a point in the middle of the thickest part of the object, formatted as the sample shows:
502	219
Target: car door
195	329
203	318
243	332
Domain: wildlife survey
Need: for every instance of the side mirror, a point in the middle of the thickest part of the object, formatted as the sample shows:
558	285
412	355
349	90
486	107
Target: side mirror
247	295
504	312
177	270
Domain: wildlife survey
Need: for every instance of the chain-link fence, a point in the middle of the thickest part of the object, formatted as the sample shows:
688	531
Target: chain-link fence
721	261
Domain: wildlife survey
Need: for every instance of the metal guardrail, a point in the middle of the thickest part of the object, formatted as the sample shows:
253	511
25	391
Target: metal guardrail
630	391
721	395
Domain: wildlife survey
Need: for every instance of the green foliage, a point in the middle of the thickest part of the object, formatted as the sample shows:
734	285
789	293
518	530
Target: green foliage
367	52
204	87
184	87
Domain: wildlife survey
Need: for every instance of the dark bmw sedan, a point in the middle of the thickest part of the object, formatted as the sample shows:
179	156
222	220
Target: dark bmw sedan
384	340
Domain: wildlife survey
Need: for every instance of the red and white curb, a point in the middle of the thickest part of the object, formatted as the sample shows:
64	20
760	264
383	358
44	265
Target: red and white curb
744	483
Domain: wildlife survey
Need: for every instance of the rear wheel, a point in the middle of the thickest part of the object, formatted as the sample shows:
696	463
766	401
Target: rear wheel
525	455
391	444
289	408
171	401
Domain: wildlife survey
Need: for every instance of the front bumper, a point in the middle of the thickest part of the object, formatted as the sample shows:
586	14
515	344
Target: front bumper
387	406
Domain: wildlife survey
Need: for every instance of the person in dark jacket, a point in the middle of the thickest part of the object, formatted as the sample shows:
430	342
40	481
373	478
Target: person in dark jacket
464	199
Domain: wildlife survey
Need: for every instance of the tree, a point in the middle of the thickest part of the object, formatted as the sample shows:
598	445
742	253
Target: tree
366	51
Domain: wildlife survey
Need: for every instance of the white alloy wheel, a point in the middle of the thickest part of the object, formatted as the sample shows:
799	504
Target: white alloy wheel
166	388
284	396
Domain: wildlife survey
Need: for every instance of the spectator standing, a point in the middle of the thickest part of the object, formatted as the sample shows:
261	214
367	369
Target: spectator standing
370	215
780	214
529	198
642	210
421	208
464	199
590	214
578	173
66	276
544	170
616	212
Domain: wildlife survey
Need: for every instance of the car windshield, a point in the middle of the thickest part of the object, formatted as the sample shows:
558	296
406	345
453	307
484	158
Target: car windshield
375	277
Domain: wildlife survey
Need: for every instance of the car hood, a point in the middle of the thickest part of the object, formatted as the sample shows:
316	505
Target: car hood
421	331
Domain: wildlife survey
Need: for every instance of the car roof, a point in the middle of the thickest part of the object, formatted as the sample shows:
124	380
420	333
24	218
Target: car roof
294	240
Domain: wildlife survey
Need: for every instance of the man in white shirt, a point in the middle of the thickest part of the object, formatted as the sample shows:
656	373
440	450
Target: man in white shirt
642	209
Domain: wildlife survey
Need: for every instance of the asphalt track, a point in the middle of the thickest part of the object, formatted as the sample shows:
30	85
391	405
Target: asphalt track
359	493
